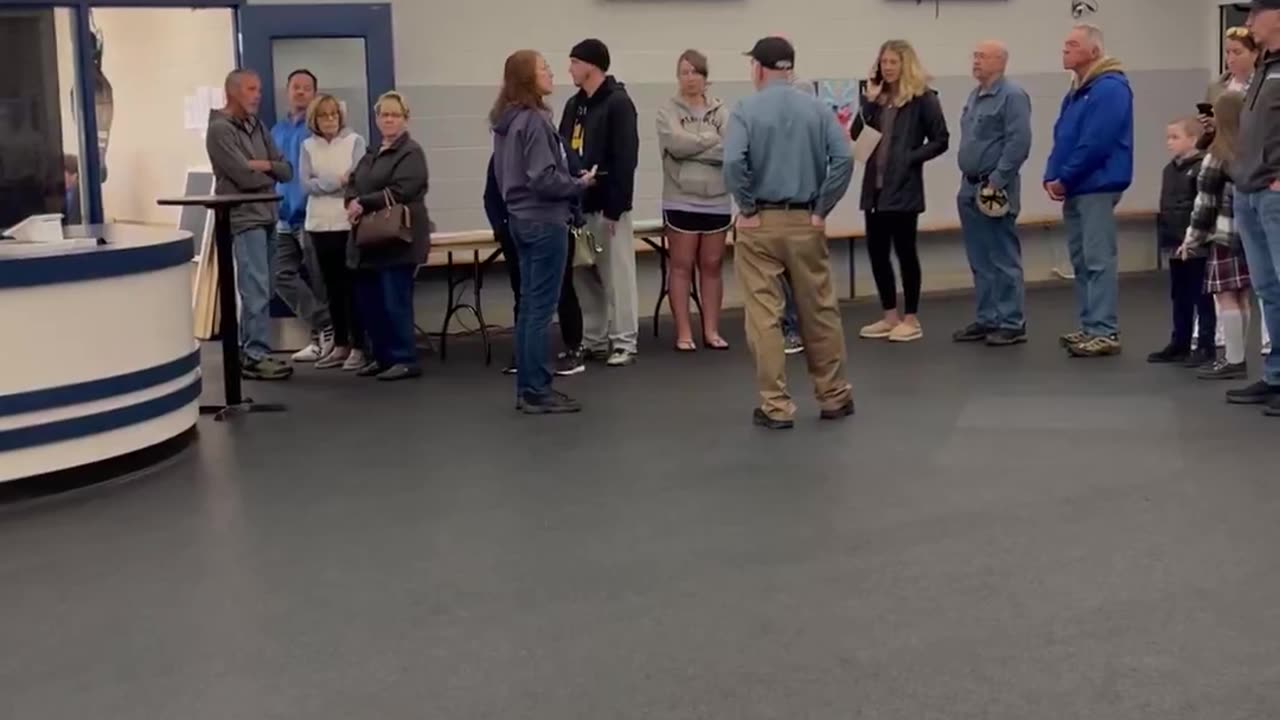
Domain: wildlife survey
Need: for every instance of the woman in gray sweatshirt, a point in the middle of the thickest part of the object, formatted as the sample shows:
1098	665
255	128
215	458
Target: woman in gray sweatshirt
696	209
532	171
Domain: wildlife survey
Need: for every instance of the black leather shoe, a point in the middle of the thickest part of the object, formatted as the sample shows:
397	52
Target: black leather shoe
973	333
1170	354
1201	357
373	368
759	419
1273	407
400	371
839	413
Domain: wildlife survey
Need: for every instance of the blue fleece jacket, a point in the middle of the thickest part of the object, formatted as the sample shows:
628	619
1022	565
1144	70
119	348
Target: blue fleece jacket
288	134
1093	137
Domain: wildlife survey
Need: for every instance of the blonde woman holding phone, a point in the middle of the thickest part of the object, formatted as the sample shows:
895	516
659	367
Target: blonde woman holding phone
898	103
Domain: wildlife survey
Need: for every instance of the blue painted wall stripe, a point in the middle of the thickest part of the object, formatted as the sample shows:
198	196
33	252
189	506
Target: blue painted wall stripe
93	390
75	267
101	422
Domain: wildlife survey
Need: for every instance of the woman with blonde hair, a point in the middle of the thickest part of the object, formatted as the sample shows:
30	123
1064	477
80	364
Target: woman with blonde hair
696	209
394	173
324	167
898	103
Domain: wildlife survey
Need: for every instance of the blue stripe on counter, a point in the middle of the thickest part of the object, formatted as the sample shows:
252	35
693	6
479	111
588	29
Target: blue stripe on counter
93	390
103	262
101	422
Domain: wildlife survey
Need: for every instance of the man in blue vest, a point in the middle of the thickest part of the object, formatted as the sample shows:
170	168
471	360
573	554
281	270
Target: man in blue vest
304	295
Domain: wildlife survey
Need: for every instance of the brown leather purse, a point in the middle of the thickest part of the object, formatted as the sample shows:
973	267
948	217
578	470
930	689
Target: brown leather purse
389	226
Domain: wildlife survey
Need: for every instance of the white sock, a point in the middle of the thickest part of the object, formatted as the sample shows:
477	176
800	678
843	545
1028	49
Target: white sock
1232	323
1266	336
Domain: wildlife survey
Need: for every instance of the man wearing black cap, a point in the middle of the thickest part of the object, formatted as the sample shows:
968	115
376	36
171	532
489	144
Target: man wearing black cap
787	163
599	126
1256	172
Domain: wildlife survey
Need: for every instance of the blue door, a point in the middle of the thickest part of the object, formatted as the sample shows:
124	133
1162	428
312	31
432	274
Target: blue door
347	47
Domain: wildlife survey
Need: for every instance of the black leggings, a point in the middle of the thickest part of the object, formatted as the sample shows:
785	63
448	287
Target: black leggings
894	231
569	311
331	255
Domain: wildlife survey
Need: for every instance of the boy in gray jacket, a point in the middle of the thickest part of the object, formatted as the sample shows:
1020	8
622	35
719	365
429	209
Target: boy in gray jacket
246	160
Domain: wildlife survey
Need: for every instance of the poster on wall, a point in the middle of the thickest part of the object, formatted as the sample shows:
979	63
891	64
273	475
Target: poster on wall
841	96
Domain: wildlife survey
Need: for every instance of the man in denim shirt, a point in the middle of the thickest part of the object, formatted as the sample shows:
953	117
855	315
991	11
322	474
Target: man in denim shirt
995	139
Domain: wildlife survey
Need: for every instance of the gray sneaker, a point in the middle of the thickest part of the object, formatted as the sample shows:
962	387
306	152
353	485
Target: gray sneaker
265	369
621	358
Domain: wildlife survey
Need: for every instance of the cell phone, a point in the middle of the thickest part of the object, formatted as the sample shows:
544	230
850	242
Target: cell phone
1205	109
878	76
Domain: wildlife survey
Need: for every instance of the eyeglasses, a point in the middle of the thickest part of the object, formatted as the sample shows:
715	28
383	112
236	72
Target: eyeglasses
328	116
1237	33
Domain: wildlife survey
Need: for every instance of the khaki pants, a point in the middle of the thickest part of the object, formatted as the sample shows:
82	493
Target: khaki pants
787	242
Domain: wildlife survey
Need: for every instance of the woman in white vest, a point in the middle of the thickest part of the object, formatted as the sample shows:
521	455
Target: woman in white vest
695	205
325	165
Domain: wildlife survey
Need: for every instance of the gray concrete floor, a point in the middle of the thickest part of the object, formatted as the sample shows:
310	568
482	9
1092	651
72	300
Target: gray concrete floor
996	535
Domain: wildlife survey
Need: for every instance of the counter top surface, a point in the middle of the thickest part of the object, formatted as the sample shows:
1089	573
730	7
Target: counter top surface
127	250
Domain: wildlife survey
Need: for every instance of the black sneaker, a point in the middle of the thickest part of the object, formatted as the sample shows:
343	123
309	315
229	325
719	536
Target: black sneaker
792	345
1223	370
370	370
510	369
1202	356
1258	393
759	419
265	369
973	333
597	356
839	413
571	362
1170	354
557	403
1004	337
1273	407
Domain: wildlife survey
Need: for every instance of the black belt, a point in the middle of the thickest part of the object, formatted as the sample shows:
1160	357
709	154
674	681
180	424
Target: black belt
806	205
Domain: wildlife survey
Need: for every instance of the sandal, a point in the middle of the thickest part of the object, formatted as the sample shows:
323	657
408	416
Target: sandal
686	346
715	342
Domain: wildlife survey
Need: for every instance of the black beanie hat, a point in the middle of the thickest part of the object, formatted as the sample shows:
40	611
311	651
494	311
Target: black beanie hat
592	51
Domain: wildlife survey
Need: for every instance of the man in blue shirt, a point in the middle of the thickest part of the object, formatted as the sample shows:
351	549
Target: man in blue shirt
304	295
786	164
1089	169
995	139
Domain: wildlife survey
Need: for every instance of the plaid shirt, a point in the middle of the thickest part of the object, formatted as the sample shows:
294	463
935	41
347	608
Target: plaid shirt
1212	217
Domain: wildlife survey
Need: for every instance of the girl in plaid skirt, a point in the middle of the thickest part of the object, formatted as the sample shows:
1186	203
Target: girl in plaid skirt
1213	224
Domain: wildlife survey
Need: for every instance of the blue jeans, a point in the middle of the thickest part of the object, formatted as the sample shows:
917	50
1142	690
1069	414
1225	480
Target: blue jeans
384	299
995	256
254	249
1091	240
1258	219
790	323
542	248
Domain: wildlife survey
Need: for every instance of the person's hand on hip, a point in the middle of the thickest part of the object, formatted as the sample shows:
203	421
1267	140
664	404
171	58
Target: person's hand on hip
749	221
1057	191
818	221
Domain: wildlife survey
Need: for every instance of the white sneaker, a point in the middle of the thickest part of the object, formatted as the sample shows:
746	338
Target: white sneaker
308	354
1266	349
355	361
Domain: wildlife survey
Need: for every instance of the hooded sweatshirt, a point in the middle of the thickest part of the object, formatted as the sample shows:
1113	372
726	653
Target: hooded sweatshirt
231	144
601	130
1093	137
692	145
1257	162
531	168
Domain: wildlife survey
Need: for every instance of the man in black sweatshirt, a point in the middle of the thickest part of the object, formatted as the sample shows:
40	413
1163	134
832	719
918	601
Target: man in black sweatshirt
599	126
1256	172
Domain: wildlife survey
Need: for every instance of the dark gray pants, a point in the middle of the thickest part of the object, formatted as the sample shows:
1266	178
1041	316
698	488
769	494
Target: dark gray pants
305	296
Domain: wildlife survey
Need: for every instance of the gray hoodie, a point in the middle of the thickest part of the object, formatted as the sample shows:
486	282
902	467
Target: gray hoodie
231	144
1257	161
692	145
531	168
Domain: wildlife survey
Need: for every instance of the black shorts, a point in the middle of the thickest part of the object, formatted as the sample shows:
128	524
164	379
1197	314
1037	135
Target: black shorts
696	223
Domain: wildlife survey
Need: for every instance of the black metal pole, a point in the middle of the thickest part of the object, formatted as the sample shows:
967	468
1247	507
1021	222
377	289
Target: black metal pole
228	326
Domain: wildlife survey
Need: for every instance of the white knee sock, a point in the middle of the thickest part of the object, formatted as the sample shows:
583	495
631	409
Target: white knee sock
1232	323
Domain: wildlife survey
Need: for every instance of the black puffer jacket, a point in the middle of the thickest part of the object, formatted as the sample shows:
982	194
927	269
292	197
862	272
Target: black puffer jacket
919	135
1177	199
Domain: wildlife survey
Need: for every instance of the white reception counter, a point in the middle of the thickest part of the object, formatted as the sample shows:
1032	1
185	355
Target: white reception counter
98	359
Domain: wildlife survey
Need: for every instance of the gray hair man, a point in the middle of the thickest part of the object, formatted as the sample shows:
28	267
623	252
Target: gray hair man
1256	172
995	139
1089	169
787	163
245	159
